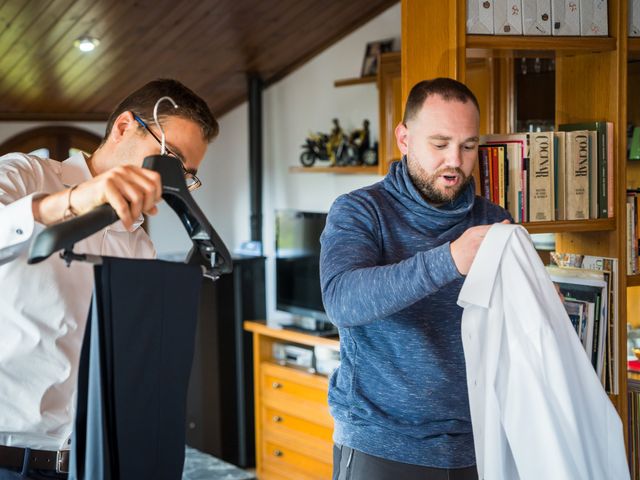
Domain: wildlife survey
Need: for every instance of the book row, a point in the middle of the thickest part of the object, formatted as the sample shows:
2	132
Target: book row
633	232
588	288
540	17
548	176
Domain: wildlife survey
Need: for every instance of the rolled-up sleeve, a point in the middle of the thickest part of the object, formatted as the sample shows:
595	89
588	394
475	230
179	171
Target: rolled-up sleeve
18	182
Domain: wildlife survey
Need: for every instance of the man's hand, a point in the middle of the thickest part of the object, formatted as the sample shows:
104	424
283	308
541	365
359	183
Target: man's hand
465	247
130	190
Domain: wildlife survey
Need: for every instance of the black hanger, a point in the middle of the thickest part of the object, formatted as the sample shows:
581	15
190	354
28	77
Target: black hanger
208	248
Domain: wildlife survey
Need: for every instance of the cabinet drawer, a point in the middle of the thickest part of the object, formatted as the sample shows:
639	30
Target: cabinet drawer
288	390
277	458
288	380
276	420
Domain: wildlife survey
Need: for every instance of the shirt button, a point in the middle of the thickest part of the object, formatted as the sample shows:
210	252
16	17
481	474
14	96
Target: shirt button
19	231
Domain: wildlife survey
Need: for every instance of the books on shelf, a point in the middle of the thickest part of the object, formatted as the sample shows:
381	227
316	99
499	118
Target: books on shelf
633	232
547	176
541	177
539	17
589	288
578	187
601	159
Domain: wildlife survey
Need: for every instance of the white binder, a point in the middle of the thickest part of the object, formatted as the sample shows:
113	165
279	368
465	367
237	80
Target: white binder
507	17
565	17
536	17
634	18
593	18
480	16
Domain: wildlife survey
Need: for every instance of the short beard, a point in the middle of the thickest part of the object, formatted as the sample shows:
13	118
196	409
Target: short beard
426	183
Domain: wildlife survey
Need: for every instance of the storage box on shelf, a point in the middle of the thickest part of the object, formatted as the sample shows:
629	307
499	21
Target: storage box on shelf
591	84
293	426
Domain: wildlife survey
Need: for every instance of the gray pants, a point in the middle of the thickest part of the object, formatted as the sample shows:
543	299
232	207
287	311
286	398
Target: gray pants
350	464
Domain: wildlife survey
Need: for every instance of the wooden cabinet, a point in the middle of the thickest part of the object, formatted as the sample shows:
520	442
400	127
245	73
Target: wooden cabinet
293	426
591	84
390	100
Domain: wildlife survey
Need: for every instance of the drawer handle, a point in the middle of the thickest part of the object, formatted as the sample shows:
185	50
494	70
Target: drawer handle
278	453
276	385
277	418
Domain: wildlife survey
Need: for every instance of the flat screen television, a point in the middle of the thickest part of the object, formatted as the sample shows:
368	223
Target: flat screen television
298	265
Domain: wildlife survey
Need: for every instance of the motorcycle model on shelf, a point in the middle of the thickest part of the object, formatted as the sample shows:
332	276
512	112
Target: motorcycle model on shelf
338	148
314	148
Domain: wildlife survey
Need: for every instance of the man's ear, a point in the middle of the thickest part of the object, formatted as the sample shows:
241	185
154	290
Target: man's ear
122	123
402	133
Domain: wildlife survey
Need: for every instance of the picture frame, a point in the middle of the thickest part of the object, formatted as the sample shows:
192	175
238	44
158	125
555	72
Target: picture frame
371	55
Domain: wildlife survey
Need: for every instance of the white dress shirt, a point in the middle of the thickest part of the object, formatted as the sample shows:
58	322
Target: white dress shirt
538	409
43	307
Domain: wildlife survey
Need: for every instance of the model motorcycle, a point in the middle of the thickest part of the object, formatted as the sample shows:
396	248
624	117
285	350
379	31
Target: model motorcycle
314	148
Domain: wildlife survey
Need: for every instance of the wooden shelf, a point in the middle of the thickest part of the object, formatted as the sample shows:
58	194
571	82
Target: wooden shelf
345	82
290	335
633	280
496	45
634	48
339	170
565	226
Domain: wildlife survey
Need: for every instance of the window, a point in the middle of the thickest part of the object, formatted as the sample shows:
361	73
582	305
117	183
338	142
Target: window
57	143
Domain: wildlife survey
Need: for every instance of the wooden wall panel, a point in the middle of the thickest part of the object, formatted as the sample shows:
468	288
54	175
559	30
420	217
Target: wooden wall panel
209	45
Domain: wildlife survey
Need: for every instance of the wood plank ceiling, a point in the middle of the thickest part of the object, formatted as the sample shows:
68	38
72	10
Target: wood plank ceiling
210	45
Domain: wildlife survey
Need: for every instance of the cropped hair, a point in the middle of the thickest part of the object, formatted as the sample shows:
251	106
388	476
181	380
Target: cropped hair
447	88
190	106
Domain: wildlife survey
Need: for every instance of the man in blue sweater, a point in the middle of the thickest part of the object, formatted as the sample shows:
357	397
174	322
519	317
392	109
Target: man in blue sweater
393	260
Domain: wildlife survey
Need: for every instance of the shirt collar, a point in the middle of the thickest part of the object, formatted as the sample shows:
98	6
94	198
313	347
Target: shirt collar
74	170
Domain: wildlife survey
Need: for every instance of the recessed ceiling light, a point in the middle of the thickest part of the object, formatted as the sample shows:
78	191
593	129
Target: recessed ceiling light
86	44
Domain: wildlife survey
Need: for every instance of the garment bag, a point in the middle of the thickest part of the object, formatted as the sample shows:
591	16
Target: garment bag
134	371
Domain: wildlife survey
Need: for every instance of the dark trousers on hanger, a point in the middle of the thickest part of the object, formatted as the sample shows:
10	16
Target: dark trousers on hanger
134	371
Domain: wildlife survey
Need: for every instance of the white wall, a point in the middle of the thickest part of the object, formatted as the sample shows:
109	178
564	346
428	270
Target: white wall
304	101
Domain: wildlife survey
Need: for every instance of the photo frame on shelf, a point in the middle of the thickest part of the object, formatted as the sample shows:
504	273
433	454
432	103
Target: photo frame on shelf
371	55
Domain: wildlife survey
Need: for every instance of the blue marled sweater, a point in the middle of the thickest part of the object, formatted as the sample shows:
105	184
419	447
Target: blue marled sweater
390	285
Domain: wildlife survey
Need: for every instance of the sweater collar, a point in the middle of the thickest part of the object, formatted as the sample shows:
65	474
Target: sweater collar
398	181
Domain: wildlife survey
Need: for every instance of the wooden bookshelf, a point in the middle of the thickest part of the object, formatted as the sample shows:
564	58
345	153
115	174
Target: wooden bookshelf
633	280
556	45
590	84
564	226
338	170
345	82
634	45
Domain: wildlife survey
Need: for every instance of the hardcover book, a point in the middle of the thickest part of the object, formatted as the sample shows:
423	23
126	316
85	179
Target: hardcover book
541	181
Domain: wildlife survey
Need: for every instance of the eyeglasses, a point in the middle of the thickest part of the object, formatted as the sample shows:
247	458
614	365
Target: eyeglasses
190	179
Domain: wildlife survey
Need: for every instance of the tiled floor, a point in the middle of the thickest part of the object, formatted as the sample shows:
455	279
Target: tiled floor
201	466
